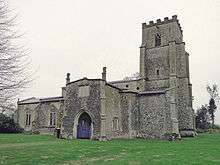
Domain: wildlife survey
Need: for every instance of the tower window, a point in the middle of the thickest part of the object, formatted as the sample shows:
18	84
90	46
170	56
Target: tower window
158	72
127	86
138	88
157	40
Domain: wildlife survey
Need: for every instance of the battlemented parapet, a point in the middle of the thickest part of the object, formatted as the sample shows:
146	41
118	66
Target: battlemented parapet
160	22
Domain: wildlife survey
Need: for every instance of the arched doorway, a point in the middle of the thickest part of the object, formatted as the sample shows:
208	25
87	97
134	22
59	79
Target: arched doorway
84	126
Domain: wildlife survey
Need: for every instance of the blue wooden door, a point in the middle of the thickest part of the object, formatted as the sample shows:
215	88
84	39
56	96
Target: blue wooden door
84	127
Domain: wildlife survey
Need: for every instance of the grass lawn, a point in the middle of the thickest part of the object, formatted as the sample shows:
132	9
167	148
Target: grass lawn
43	149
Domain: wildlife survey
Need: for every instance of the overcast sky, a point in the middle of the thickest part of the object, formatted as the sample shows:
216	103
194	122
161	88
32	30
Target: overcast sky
82	36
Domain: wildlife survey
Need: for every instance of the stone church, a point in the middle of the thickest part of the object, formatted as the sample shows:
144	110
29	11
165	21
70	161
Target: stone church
156	104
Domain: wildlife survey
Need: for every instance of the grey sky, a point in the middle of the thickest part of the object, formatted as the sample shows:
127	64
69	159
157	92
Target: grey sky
82	36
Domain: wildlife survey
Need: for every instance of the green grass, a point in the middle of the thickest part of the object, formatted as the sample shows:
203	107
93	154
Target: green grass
43	149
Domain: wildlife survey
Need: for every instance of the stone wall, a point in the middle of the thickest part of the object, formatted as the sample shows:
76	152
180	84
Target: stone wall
169	30
130	85
40	116
154	115
113	111
42	120
157	60
130	114
157	84
182	61
185	111
75	105
184	93
22	111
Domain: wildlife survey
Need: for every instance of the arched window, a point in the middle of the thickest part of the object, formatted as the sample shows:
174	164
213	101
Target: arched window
53	118
158	72
157	40
28	119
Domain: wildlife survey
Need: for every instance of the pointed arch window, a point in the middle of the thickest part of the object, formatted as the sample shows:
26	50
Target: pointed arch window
52	118
157	40
28	119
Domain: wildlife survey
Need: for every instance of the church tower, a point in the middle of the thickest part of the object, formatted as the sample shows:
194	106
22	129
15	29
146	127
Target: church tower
164	65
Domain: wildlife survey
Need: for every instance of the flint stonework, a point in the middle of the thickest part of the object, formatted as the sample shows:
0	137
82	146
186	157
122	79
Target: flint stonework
157	104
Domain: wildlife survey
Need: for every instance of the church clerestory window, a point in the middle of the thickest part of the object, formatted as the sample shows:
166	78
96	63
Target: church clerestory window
157	40
52	118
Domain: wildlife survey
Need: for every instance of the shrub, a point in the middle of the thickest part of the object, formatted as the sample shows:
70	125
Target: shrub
202	118
36	132
216	126
198	130
7	125
171	136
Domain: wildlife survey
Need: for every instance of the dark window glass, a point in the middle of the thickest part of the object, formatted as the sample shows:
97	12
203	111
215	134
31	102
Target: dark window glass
51	120
158	72
54	119
28	119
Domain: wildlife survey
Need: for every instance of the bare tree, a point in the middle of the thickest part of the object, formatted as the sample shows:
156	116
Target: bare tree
213	92
14	72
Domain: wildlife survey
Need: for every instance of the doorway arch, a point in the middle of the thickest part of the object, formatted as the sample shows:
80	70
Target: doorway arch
84	126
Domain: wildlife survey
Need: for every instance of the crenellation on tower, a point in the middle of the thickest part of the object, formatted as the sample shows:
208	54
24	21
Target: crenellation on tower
143	25
158	20
161	32
166	20
151	23
174	17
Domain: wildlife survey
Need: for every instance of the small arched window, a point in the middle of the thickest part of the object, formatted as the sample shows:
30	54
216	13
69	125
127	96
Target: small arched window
157	40
158	72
